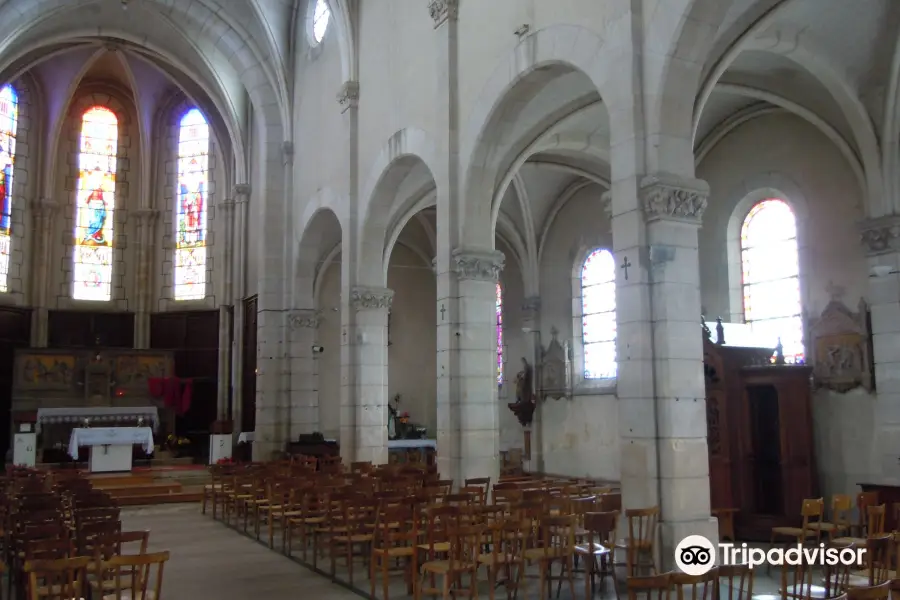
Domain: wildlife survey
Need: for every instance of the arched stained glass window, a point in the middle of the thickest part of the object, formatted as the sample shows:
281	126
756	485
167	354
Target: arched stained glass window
9	121
499	335
321	16
770	271
95	205
598	310
191	200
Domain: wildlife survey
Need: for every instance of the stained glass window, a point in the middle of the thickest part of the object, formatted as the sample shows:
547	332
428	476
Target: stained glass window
191	200
499	335
771	277
321	16
598	310
9	120
95	205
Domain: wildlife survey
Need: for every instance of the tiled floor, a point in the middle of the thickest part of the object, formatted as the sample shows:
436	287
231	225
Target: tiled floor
211	561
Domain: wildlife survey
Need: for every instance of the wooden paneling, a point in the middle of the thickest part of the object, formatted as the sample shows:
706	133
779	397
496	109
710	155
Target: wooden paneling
759	434
193	338
248	405
79	329
15	332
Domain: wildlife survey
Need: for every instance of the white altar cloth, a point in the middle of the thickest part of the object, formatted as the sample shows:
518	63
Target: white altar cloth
398	444
110	436
103	414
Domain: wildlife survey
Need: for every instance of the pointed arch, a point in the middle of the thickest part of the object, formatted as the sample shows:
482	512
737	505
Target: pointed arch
191	207
95	205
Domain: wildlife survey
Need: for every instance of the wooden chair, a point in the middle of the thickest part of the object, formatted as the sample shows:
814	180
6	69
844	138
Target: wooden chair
440	520
462	560
349	530
874	515
504	551
701	587
840	518
640	545
881	591
129	576
863	501
812	511
556	545
654	587
595	549
395	537
738	582
61	579
880	551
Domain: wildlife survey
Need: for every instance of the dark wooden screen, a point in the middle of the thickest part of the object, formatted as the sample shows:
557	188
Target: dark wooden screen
193	338
79	329
15	332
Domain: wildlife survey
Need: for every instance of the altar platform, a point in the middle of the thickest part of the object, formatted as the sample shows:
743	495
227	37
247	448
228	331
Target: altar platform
151	485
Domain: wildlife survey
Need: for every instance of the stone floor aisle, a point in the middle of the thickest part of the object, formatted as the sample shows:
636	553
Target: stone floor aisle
211	561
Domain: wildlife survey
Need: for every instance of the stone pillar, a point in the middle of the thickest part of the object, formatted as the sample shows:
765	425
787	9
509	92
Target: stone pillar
223	384
369	348
146	220
468	407
44	213
239	291
531	325
660	385
304	384
881	240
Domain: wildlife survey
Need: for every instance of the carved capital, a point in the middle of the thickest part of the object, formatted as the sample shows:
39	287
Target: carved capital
304	318
443	11
44	206
368	298
672	198
146	215
531	307
241	192
881	235
478	264
348	96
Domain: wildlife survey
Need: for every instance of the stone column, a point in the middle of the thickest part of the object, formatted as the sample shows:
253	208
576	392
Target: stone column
146	220
660	385
304	385
239	291
531	325
881	240
369	348
468	408
44	213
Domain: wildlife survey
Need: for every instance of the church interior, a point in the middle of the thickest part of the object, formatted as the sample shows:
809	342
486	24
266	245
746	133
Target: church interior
439	297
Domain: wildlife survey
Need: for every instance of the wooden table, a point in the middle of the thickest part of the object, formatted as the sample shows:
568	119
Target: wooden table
888	494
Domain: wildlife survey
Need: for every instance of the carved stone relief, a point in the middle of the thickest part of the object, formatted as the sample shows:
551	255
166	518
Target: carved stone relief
364	298
442	10
841	351
674	198
300	319
482	265
555	373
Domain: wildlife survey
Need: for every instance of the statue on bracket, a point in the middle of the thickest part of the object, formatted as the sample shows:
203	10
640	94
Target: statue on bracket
841	346
524	406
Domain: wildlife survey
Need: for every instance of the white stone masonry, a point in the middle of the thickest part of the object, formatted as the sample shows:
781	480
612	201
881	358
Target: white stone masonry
662	408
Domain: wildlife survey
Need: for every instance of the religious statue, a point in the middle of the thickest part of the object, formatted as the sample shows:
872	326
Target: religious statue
524	405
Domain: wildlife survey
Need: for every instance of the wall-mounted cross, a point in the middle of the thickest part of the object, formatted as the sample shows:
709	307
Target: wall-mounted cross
443	310
624	267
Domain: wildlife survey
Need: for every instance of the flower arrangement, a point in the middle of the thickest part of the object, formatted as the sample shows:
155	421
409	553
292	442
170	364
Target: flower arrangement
173	442
404	417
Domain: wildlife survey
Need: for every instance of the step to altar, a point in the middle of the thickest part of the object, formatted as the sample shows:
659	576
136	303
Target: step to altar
153	485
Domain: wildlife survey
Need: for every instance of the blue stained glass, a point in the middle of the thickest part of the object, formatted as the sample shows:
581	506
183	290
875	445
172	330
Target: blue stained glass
9	121
770	270
499	335
191	207
598	308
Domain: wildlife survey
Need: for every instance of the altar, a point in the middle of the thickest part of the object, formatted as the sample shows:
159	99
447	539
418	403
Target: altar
412	451
110	446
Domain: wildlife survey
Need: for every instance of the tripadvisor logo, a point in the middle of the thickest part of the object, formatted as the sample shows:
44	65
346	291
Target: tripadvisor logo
696	555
